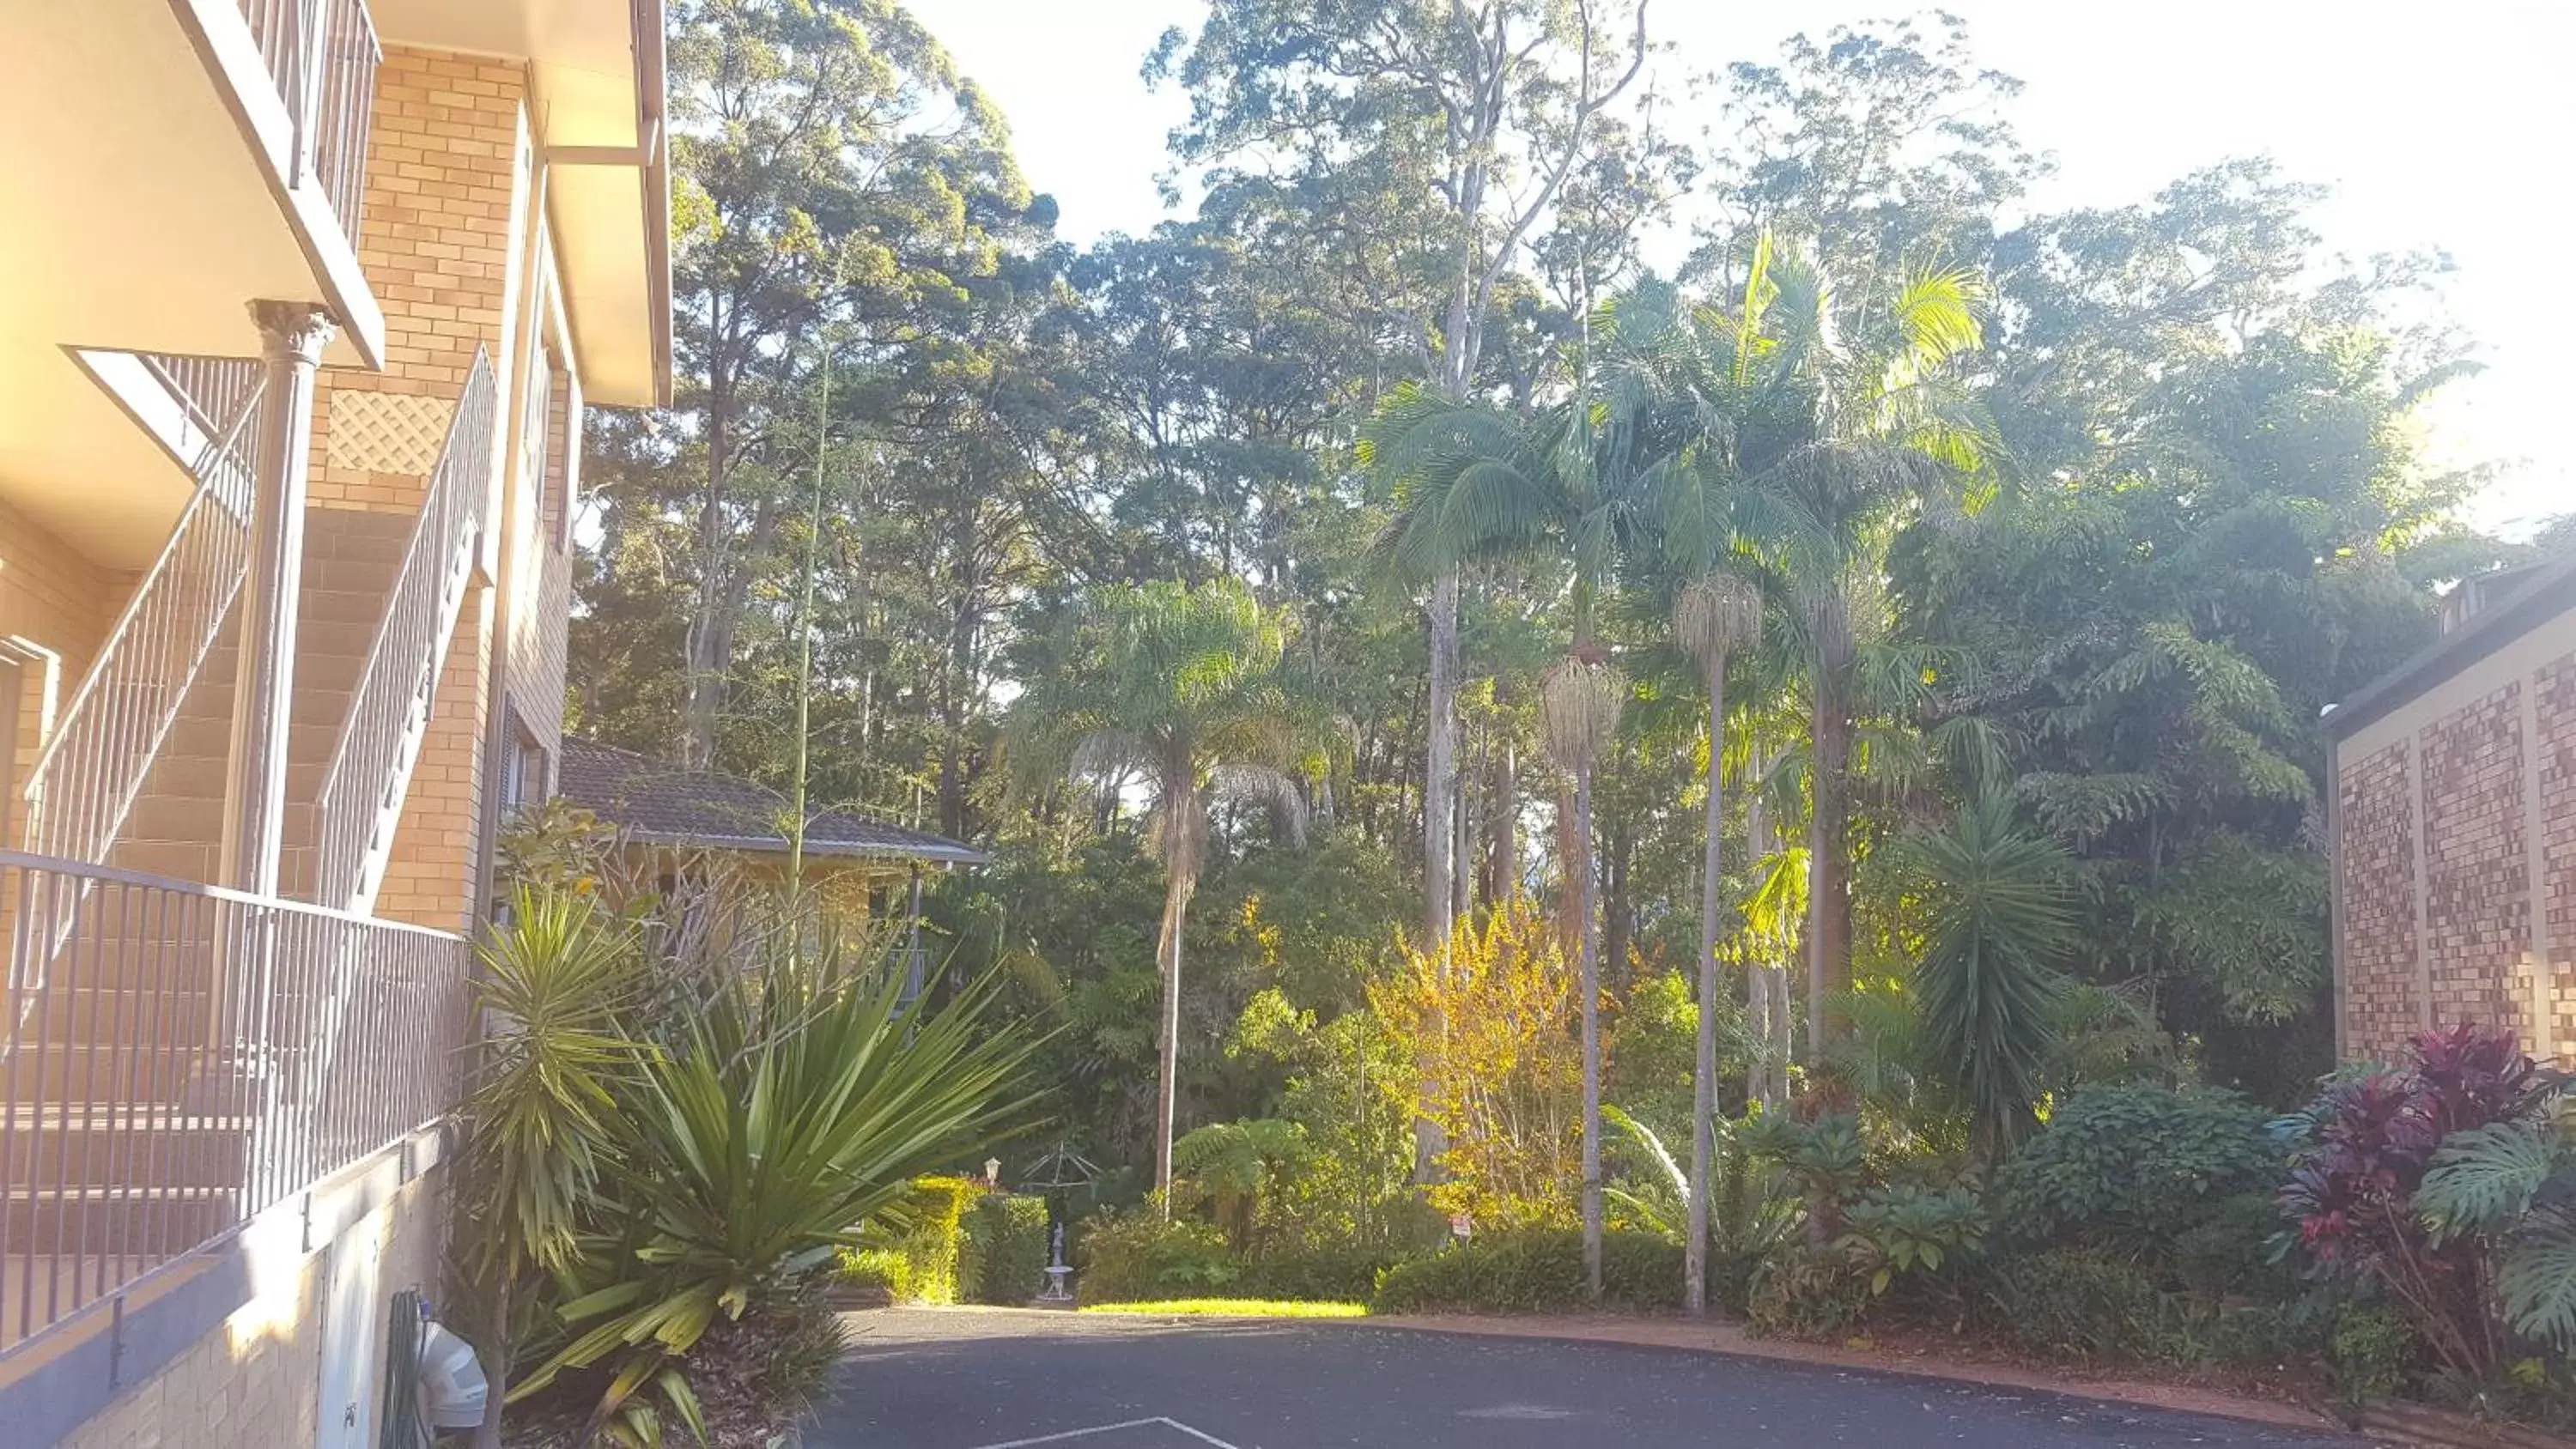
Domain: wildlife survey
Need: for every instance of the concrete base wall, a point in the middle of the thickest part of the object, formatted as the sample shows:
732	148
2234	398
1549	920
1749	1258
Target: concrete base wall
255	1381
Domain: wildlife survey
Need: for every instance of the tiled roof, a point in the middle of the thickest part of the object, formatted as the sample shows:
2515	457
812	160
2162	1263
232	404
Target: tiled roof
655	801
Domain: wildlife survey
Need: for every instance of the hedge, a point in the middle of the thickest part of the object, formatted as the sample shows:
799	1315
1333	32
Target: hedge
1534	1271
1003	1257
912	1255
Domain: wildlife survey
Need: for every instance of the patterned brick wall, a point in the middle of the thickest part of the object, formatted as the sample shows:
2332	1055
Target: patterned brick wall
2376	819
2475	873
52	597
2554	700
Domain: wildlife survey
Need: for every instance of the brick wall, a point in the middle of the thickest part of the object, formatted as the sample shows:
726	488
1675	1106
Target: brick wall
450	177
254	1382
2435	875
2554	704
52	597
2474	881
2376	820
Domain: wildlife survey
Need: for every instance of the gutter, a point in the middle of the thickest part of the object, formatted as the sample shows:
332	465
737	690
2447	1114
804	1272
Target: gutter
2549	593
651	156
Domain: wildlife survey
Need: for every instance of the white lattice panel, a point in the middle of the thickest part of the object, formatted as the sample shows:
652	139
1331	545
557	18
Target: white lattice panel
386	432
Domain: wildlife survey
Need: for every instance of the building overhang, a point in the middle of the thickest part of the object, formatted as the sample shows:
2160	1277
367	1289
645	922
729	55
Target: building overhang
2547	594
598	77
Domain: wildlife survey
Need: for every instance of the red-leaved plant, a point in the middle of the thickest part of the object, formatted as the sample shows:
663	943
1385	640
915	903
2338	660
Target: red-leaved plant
2353	1195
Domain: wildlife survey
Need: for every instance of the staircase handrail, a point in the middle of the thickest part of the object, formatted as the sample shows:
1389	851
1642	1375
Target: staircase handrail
91	771
368	762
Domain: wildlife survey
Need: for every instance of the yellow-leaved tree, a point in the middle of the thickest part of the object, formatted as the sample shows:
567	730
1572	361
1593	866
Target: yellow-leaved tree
1491	1022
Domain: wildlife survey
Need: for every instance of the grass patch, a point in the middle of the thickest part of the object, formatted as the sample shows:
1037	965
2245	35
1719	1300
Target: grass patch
1236	1307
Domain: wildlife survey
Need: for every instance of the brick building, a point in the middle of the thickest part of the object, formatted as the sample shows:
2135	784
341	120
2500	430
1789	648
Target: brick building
301	302
2453	821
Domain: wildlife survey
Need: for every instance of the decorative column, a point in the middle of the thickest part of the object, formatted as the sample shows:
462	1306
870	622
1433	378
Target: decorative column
292	335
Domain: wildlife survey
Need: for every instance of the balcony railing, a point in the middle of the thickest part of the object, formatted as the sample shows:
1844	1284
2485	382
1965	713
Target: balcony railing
363	787
94	766
323	55
191	1057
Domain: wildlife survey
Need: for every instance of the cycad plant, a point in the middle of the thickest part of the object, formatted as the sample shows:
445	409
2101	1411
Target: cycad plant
1185	687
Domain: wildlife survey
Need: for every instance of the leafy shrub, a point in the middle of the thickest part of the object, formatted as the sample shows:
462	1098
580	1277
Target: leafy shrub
2079	1304
921	1230
878	1275
2231	1251
1136	1255
1003	1257
2134	1164
1533	1270
2368	1355
1808	1293
1339	1274
1906	1229
2355	1192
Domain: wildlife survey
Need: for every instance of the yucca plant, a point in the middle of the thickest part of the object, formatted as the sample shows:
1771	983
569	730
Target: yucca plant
1988	983
795	1102
556	987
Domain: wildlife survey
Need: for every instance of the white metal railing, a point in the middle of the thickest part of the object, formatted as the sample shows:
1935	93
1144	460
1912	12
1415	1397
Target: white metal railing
363	786
93	767
189	1057
323	55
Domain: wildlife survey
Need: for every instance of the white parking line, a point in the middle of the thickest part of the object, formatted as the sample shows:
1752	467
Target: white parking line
1168	1423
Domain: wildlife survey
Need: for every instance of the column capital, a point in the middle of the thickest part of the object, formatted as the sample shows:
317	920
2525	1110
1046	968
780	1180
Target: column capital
293	331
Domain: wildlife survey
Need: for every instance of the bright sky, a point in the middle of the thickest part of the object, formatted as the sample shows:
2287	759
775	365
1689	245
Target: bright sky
2437	126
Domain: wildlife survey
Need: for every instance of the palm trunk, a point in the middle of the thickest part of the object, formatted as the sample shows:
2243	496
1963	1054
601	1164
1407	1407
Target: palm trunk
1704	1072
1176	908
1828	873
1587	979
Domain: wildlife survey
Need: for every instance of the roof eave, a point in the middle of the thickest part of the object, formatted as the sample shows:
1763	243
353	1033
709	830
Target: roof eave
2551	593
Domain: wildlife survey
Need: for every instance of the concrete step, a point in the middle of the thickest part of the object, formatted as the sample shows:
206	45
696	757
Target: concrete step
163	1223
133	1145
172	1005
83	1074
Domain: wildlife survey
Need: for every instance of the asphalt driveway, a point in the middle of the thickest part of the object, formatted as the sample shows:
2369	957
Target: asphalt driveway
959	1379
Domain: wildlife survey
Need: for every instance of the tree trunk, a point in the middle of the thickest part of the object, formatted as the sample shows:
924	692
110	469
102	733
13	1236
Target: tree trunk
1462	881
1439	799
1762	978
1502	822
1828	873
1704	1068
1587	980
1176	908
1440	767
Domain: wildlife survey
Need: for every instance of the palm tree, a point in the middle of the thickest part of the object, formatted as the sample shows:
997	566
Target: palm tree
1182	688
1716	614
1855	424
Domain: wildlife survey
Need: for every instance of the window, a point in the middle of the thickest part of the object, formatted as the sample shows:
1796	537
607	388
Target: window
524	770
